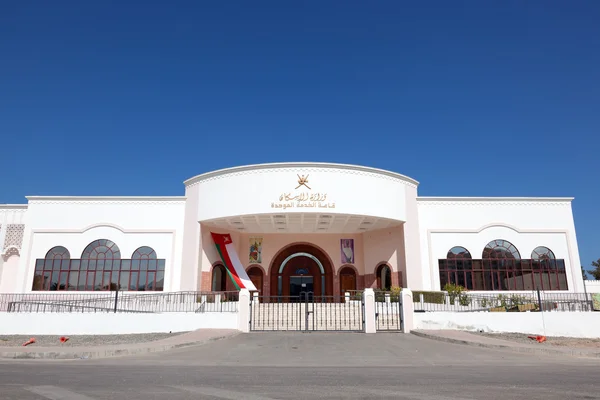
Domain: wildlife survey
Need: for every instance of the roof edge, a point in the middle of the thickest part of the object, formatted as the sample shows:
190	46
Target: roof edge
492	199
13	206
100	198
225	171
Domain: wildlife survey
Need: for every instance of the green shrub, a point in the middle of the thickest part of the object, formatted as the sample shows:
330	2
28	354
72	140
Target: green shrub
429	297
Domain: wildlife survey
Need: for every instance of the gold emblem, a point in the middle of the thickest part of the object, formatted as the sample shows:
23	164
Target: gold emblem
302	181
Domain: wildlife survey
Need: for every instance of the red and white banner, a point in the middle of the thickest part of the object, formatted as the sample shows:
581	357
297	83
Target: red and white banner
232	262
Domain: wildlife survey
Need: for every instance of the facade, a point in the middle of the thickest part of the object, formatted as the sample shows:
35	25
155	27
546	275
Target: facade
319	227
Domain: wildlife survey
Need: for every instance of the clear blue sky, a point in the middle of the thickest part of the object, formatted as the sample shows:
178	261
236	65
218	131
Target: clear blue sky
471	98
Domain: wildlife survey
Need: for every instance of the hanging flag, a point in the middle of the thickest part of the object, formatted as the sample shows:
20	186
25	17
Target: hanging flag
232	262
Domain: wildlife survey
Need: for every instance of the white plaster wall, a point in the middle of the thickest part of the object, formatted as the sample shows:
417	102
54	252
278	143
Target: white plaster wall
592	286
128	222
472	223
253	190
8	274
111	323
572	324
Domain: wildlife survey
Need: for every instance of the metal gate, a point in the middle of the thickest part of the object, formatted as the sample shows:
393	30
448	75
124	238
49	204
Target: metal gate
306	313
388	312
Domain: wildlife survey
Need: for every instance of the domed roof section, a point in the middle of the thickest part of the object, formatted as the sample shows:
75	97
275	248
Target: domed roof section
304	165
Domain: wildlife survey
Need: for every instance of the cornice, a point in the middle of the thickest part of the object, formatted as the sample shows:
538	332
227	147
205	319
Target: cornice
166	200
13	207
305	166
494	201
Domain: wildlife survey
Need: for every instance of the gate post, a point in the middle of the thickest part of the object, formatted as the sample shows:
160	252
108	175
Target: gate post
369	311
244	310
408	310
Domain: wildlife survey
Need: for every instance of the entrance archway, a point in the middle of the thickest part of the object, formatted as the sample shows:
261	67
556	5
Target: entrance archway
301	268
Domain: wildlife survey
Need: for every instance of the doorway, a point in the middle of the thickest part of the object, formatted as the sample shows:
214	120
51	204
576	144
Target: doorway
301	288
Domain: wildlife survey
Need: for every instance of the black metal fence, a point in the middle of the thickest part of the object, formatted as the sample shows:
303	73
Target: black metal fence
388	312
306	312
534	301
192	302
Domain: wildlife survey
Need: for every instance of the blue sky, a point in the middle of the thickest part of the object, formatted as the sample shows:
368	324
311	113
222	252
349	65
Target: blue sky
471	98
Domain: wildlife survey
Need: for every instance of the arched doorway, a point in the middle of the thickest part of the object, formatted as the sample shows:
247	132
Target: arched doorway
384	277
256	276
301	268
347	280
219	279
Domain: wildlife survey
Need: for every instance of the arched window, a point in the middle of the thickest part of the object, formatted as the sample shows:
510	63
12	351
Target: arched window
458	253
144	266
456	268
219	278
100	258
99	268
52	272
58	253
384	277
542	253
500	250
101	249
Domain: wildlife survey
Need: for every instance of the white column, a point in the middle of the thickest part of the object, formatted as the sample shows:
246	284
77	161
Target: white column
369	299
244	311
408	310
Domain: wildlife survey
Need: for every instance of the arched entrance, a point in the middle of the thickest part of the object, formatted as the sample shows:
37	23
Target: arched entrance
256	276
301	268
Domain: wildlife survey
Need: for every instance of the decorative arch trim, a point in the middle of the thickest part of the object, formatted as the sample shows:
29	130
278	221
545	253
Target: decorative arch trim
11	251
348	266
294	244
301	254
381	263
249	267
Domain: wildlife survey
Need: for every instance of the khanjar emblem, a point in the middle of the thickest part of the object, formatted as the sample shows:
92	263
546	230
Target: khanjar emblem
302	181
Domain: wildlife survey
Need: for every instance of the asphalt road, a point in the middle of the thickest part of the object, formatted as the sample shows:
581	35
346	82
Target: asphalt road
308	366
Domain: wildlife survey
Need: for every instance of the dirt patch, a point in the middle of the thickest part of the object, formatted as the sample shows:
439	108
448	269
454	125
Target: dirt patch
550	340
82	340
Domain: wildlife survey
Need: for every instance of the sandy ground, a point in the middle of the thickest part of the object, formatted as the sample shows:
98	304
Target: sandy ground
82	340
550	340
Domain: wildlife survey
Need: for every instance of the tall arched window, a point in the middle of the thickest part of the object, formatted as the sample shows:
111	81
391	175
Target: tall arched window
457	268
547	271
146	271
219	278
99	259
52	272
384	277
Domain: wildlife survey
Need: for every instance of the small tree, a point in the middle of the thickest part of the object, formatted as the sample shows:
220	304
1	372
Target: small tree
596	271
584	273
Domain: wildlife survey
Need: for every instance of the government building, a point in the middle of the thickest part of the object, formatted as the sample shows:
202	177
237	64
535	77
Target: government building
313	227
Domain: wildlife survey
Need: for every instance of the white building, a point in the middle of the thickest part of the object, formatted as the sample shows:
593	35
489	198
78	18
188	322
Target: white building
327	228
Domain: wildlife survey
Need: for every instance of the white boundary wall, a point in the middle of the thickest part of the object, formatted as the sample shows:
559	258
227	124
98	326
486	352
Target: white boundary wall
111	323
572	324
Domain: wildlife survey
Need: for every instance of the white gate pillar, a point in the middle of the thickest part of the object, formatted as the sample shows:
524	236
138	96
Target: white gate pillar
369	300
408	310
244	311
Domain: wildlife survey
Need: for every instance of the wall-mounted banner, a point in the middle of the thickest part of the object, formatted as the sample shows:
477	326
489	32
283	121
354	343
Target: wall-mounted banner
347	248
256	250
232	262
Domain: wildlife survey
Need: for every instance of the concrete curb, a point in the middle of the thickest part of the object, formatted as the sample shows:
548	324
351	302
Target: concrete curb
519	349
104	353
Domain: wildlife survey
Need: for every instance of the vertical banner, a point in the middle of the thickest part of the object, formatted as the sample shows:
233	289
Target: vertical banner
232	262
255	250
347	249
